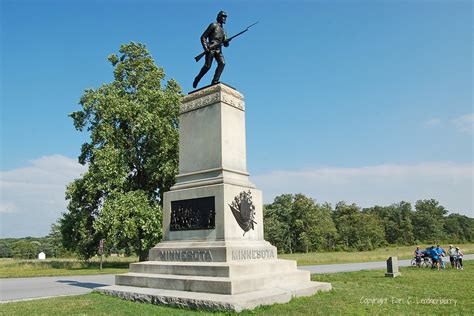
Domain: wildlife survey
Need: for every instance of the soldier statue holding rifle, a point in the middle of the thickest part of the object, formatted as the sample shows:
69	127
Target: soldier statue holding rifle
212	40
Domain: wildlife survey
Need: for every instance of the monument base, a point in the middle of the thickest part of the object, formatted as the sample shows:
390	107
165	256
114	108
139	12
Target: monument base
282	291
214	275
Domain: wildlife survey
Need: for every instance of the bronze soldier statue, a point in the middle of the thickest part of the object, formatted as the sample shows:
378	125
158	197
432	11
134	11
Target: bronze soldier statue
212	40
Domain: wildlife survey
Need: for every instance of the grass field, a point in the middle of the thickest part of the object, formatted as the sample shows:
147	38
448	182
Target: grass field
10	268
403	252
416	291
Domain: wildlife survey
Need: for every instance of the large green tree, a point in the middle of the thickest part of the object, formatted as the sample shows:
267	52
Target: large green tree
459	228
296	223
132	157
277	219
428	220
357	230
397	222
26	249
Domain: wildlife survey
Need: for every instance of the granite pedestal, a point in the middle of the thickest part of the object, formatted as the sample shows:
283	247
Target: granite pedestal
213	254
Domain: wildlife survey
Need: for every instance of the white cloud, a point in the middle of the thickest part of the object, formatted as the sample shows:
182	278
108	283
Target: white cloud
32	197
465	123
449	183
7	207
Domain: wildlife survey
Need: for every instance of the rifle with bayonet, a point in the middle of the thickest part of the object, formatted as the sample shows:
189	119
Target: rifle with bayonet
216	45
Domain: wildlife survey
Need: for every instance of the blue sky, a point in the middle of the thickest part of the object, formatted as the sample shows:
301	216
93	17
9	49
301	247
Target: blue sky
364	101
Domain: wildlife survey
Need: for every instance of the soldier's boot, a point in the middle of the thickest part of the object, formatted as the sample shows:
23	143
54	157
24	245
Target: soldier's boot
217	74
195	82
201	74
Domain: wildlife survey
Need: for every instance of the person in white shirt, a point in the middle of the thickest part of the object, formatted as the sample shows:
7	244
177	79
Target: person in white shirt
452	255
459	256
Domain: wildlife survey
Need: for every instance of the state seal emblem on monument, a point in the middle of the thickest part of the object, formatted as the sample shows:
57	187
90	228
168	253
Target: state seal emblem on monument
244	210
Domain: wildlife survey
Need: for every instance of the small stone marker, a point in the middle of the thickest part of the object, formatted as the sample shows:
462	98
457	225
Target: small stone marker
41	256
392	267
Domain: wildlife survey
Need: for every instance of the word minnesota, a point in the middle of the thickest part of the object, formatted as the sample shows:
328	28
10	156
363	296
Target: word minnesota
251	254
185	255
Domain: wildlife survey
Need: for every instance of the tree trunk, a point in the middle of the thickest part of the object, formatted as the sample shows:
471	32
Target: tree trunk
143	256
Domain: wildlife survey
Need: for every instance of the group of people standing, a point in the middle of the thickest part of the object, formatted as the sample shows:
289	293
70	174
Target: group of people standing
437	253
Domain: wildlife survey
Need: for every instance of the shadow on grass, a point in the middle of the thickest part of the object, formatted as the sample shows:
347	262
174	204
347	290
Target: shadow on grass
82	284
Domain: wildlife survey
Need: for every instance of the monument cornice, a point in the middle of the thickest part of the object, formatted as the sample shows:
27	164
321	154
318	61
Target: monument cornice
210	95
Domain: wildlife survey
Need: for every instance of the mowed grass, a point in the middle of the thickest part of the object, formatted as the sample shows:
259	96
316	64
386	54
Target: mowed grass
416	291
11	268
403	252
14	268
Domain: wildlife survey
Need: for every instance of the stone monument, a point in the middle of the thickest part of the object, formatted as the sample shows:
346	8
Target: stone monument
213	254
392	267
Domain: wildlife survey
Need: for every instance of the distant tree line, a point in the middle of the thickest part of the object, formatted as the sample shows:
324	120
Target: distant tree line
30	247
296	223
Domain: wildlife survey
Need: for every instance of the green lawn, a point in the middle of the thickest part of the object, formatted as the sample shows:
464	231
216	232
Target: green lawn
13	268
403	252
416	291
10	268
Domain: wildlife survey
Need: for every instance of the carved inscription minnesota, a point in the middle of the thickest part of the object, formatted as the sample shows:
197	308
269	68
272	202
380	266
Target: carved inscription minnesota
185	255
193	214
252	254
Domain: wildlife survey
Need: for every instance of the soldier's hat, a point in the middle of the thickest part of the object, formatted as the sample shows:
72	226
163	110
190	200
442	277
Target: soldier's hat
221	13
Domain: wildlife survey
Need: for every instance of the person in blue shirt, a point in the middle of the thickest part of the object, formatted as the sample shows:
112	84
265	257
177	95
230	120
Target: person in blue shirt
435	257
440	250
441	253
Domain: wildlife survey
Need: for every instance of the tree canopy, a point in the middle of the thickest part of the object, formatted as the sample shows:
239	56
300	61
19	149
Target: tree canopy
132	157
296	223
